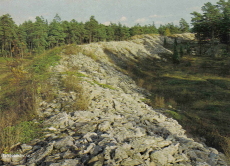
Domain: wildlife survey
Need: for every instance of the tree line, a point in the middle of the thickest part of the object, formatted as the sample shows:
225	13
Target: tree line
213	23
36	36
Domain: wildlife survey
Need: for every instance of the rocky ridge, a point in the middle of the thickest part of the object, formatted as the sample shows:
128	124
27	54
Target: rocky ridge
118	128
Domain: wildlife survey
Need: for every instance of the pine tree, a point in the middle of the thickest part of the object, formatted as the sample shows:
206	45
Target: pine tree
175	42
165	41
184	26
21	42
181	51
167	32
7	34
175	56
101	33
188	48
110	33
40	34
91	27
56	35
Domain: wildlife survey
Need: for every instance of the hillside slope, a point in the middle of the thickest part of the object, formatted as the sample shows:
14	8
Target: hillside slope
110	125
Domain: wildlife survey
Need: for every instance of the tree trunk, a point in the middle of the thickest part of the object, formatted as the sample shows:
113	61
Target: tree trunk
10	51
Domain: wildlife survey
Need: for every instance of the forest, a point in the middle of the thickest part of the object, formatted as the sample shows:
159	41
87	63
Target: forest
39	35
213	24
35	37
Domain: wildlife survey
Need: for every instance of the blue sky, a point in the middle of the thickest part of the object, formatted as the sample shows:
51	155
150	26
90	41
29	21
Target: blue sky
127	12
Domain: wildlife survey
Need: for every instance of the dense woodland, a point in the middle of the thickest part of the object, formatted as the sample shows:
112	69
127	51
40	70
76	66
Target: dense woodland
213	23
35	37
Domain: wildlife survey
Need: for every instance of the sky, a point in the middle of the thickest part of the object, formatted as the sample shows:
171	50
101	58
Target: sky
127	12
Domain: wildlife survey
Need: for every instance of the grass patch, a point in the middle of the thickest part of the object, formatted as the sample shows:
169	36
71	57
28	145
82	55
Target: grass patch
23	132
159	102
175	115
72	83
91	54
77	74
74	50
42	62
226	145
146	101
104	85
222	83
71	50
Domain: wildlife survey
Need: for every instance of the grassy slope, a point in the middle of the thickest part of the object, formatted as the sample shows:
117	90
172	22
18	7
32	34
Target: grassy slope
20	81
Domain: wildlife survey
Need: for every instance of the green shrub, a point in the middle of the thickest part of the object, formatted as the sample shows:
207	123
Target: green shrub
22	132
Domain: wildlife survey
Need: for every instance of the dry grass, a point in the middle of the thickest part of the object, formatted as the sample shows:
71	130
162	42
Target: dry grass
74	50
45	91
172	102
159	102
91	54
71	50
72	83
7	138
226	148
140	82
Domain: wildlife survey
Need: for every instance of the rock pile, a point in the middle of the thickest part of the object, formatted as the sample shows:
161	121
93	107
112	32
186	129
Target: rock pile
116	129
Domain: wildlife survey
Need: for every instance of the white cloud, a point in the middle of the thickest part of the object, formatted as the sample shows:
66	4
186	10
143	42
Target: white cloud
107	23
140	20
160	16
123	18
155	16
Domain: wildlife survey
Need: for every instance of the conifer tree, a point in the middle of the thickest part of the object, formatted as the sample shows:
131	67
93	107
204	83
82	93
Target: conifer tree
175	56
91	28
40	34
167	32
110	33
175	42
7	34
181	51
56	35
188	48
165	41
184	26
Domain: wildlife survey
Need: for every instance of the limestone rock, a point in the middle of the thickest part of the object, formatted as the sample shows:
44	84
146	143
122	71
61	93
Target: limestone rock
117	128
58	121
64	143
37	156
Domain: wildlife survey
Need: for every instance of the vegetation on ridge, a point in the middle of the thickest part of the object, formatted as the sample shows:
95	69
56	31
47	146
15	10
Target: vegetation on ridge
35	37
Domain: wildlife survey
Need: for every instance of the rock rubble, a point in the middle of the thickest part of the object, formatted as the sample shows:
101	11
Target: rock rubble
116	129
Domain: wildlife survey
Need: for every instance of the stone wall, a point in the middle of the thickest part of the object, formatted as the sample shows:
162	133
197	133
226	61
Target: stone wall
117	128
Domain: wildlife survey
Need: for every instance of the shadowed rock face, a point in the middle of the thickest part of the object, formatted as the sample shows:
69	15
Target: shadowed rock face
117	128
